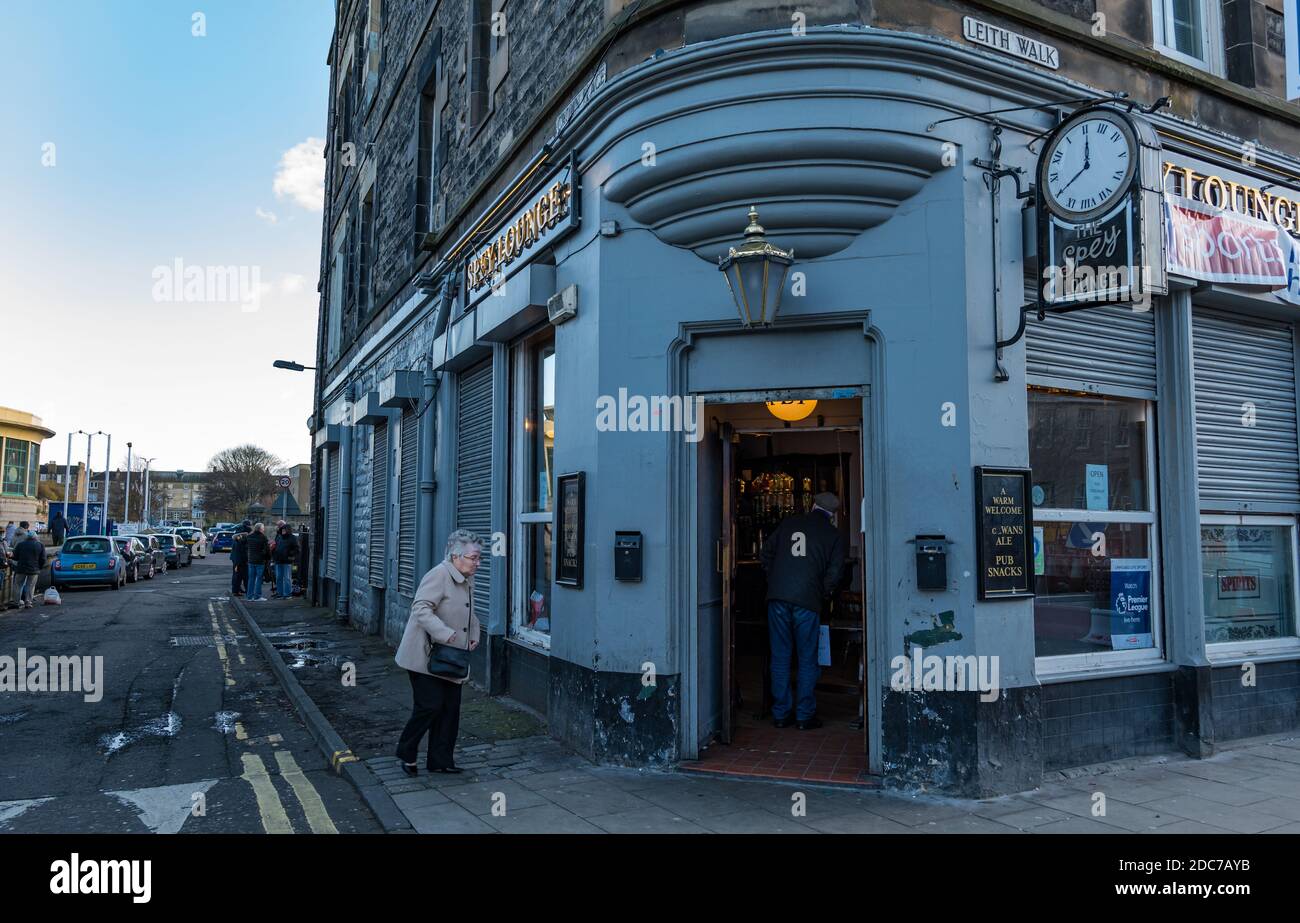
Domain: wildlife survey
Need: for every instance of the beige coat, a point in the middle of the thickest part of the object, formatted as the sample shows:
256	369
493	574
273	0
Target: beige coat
444	603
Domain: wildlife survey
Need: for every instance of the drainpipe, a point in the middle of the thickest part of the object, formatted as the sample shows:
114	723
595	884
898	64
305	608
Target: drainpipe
345	513
425	541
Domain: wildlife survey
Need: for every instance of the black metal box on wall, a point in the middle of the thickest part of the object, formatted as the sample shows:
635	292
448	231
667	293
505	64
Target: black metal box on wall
931	562
627	556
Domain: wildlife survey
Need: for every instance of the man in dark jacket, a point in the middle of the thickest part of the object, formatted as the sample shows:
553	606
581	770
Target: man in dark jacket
58	527
283	555
803	558
258	548
29	561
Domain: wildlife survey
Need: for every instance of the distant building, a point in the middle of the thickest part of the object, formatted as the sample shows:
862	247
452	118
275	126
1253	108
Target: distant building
53	473
21	435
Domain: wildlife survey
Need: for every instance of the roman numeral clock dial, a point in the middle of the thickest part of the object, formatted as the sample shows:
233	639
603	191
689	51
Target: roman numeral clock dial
1087	165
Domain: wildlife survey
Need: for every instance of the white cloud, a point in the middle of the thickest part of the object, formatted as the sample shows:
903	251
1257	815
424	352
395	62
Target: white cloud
268	217
301	175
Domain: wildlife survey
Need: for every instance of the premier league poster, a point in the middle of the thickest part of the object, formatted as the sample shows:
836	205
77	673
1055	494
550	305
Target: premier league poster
1130	604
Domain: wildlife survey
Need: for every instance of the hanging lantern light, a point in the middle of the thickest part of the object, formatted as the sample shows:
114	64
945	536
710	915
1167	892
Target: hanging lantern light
791	410
755	273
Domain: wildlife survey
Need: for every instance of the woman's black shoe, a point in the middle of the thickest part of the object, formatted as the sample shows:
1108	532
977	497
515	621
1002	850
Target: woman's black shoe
452	769
411	769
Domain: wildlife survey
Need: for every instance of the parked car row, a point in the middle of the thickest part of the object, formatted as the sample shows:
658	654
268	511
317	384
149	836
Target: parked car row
117	560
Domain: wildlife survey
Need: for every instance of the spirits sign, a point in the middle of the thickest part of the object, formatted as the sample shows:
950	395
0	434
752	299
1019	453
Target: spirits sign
1004	544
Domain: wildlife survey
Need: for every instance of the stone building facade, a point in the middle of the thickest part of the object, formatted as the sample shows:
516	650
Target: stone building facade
526	204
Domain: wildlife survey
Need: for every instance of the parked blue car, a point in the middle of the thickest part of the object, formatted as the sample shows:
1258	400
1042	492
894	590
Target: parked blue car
222	541
88	559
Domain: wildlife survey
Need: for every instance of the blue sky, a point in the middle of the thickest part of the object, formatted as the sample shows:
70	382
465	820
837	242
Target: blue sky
166	146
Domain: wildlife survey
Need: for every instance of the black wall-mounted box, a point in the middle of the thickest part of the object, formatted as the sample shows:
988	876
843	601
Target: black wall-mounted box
931	562
627	556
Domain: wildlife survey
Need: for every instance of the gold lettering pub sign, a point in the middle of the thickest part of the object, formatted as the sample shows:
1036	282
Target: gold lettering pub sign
518	236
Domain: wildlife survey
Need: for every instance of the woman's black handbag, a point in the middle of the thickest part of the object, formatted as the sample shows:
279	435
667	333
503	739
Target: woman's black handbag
448	662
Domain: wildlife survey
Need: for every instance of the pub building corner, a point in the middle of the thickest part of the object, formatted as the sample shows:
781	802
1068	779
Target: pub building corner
977	481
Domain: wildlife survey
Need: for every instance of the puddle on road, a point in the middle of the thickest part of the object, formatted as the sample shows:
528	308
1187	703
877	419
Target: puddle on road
225	721
168	725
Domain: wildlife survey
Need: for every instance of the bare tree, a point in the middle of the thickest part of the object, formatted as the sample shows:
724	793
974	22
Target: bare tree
239	476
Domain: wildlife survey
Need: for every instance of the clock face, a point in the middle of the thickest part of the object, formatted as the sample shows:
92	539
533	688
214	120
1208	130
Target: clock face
1088	166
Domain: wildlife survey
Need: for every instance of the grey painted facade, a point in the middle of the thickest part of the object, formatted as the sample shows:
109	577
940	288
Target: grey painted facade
829	134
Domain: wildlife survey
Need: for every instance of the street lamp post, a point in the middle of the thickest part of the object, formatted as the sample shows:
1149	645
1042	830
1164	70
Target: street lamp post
108	472
147	463
126	491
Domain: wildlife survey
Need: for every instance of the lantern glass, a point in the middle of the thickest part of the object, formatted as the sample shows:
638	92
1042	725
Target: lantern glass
755	274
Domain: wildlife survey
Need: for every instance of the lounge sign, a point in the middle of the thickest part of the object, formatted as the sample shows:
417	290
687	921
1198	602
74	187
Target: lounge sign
548	215
1003	533
1225	194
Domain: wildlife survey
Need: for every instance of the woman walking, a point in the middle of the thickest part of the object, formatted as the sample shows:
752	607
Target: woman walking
441	628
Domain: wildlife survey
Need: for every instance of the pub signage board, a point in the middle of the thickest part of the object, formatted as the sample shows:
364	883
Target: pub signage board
1004	543
570	514
548	214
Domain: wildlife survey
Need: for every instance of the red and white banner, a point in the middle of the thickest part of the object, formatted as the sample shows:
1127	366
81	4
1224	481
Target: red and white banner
1222	246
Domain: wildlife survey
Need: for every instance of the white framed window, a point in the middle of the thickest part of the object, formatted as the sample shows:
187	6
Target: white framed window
1096	536
1248	580
1190	31
532	489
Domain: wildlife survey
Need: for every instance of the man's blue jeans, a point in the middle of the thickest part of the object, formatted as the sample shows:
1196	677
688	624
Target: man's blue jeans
284	580
793	629
255	572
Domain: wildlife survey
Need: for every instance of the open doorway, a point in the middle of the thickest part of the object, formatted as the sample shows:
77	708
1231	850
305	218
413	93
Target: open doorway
754	470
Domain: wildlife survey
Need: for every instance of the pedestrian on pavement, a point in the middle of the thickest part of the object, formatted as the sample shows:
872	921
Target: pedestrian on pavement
10	529
23	530
803	558
258	549
239	564
283	555
29	561
58	527
442	614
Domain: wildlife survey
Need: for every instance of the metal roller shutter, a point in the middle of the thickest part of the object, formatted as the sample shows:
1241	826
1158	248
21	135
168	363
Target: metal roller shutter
379	506
1239	361
1113	348
331	513
407	495
474	471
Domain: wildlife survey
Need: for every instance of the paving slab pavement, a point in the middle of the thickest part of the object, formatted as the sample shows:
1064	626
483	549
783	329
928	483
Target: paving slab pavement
519	780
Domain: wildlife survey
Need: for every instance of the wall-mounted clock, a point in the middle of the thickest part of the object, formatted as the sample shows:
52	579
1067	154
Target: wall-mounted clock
1088	164
1100	214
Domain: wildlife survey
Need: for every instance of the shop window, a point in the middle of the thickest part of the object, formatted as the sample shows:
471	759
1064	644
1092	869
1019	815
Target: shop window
1189	31
534	395
15	467
1248	579
1096	566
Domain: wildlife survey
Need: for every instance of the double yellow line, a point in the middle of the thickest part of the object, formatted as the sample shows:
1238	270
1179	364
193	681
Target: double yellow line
269	805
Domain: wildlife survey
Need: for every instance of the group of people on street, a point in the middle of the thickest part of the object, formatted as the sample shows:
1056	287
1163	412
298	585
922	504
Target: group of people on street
253	553
22	558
